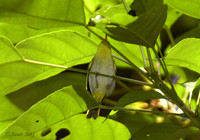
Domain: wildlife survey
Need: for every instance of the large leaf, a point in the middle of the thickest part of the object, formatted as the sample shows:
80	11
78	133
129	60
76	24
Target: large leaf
134	121
127	49
8	52
136	96
188	7
185	54
59	47
94	5
5	124
142	30
22	99
22	32
172	16
141	6
163	131
57	113
18	32
194	33
42	14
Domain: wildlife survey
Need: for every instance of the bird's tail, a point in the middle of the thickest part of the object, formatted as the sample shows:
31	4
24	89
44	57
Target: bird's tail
94	113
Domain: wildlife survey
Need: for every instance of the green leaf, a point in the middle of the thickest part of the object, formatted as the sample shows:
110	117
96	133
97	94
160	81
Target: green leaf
158	132
127	49
19	101
94	5
185	54
18	32
134	121
22	32
89	129
194	33
5	124
188	7
42	14
189	85
91	6
185	133
59	105
9	53
8	110
142	30
197	83
141	6
172	16
135	96
60	47
57	112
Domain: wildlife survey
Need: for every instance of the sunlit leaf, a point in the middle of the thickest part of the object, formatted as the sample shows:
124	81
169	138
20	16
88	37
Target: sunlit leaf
189	85
18	32
172	16
58	112
22	99
185	54
59	47
42	14
5	124
92	5
88	129
188	7
8	52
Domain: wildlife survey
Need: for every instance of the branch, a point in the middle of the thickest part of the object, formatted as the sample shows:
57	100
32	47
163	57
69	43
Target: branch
86	71
141	110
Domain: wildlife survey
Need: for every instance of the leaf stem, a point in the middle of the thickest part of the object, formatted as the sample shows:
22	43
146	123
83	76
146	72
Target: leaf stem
198	98
86	71
140	110
163	65
121	59
135	81
169	33
144	58
125	5
172	95
150	61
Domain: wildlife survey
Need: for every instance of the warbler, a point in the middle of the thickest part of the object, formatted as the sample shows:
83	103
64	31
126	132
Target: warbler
101	86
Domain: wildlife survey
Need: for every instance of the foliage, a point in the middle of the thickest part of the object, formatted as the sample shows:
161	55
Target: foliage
46	47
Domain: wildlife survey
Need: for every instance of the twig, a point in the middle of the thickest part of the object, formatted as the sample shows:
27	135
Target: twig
86	71
144	57
125	5
150	61
140	110
169	35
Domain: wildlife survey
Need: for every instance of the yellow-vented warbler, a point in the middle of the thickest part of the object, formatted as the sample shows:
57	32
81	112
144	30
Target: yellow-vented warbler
101	86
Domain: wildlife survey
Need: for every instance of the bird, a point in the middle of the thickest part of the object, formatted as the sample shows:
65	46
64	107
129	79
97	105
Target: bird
98	85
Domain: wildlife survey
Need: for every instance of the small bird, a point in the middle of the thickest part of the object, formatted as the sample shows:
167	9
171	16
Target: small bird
101	86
